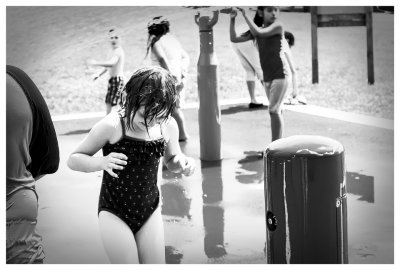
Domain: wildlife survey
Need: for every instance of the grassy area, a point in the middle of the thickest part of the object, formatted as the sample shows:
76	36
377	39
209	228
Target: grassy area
52	45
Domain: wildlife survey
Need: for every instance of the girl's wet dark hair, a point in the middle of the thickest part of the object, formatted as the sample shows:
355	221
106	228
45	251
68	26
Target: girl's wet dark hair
258	20
154	88
290	38
267	7
156	28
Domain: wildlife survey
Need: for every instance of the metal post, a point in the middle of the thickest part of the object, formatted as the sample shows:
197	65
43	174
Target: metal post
207	80
314	44
370	45
305	192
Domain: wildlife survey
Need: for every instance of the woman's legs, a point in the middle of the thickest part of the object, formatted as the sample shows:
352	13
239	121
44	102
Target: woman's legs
118	239
251	86
275	91
177	114
150	240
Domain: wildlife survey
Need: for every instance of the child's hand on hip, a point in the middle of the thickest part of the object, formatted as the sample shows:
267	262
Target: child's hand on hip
188	166
114	161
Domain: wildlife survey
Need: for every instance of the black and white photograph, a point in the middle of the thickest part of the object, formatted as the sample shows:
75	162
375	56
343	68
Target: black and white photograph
199	133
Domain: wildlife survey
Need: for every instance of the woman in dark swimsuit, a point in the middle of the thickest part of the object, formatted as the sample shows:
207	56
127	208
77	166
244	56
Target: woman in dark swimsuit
133	141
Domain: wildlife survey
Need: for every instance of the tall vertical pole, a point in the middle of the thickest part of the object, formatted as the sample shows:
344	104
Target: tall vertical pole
314	44
207	81
370	45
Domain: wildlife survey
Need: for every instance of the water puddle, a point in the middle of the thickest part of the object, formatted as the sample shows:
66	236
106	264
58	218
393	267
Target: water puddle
360	184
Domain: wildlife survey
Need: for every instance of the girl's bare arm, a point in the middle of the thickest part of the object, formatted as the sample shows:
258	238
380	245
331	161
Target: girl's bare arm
174	159
232	31
82	159
107	63
293	71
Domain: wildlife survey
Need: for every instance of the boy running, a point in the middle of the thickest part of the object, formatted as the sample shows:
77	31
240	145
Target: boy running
115	67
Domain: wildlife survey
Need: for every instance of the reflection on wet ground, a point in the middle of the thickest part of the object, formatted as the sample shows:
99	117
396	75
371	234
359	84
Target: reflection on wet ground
251	168
172	255
360	184
241	108
213	206
213	212
176	202
223	207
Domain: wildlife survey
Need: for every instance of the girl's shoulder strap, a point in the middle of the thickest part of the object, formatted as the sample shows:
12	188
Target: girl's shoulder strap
121	114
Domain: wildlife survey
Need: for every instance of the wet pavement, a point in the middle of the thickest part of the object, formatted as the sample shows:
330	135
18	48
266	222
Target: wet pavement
218	214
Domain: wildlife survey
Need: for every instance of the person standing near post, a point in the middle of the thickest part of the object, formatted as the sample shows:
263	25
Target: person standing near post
31	152
270	39
247	53
115	66
294	97
167	52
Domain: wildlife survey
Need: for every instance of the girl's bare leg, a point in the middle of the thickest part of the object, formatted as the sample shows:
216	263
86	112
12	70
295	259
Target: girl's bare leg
276	91
150	240
118	239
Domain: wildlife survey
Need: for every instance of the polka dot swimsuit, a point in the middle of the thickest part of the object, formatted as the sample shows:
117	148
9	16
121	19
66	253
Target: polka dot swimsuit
133	196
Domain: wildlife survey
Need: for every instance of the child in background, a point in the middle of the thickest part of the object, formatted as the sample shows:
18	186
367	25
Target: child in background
167	52
270	41
115	66
294	98
133	141
247	53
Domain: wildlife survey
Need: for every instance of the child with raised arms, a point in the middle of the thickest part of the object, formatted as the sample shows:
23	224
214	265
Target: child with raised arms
270	40
133	140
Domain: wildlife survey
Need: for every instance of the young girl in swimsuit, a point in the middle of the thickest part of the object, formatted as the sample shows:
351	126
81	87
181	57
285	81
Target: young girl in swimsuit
270	39
133	141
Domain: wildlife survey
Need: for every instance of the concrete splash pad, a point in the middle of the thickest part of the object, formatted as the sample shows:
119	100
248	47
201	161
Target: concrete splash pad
218	214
